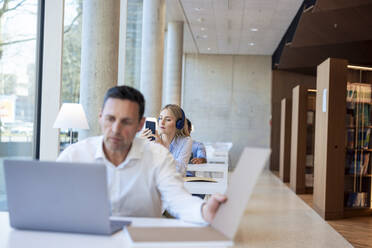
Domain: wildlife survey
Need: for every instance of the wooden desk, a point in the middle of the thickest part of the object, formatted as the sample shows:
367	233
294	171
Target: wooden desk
275	217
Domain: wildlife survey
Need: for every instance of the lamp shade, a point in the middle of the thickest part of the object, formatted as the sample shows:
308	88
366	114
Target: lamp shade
71	115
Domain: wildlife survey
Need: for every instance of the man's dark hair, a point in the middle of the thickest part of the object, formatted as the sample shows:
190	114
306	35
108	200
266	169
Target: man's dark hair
189	125
126	93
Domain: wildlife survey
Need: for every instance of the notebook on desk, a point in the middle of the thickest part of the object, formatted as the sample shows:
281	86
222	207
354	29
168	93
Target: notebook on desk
226	222
55	196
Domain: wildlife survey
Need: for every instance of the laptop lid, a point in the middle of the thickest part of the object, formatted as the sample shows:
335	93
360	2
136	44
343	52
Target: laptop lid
241	184
55	196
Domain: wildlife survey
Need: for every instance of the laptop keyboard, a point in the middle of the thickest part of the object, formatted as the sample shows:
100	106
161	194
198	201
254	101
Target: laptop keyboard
118	224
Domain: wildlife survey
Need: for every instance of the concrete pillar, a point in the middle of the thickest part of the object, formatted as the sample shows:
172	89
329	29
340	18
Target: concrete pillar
152	54
173	77
99	57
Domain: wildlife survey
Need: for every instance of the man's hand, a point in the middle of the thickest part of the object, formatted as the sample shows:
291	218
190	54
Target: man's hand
198	161
210	208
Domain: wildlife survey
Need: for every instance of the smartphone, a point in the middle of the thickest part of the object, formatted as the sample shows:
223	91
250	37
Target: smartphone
151	125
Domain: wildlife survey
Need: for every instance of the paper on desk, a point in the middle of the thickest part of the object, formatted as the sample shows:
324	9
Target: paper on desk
239	190
154	222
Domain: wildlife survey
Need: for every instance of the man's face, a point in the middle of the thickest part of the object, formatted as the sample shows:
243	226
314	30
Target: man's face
119	122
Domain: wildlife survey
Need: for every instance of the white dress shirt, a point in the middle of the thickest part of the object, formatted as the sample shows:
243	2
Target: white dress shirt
143	182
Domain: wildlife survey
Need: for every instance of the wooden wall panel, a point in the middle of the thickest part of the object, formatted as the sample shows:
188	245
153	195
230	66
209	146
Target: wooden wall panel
281	87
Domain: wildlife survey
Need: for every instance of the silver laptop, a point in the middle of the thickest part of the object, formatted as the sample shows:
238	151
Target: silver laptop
55	196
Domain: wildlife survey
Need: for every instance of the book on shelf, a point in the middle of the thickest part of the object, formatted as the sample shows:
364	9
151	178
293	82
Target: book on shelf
362	140
357	199
310	118
309	180
309	160
358	93
357	163
350	122
350	138
311	101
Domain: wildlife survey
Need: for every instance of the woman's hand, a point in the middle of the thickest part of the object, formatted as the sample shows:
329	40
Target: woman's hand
148	134
152	137
157	137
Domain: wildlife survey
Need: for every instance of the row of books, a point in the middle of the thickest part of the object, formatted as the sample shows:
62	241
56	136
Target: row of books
357	199
359	117
358	94
362	141
357	162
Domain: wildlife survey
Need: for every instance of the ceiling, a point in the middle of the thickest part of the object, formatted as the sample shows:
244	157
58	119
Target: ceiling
243	27
332	28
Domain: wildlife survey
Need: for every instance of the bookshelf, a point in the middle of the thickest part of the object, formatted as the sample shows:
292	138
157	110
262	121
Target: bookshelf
342	164
302	139
358	145
310	140
285	139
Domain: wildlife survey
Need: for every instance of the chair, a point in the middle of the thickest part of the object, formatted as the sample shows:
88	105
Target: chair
218	152
216	168
219	172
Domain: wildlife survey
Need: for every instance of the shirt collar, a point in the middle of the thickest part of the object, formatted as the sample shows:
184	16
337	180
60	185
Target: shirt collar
134	152
99	152
173	143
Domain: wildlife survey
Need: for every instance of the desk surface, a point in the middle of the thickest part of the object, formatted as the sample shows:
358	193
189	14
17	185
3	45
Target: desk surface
275	217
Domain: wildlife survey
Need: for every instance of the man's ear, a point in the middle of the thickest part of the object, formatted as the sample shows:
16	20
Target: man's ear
142	122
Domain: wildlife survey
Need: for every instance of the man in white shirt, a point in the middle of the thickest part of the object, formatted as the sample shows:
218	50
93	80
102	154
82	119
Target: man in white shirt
141	175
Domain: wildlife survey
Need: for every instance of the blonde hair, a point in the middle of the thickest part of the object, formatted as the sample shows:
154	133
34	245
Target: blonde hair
177	113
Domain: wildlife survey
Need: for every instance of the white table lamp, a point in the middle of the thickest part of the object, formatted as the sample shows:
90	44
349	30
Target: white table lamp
71	116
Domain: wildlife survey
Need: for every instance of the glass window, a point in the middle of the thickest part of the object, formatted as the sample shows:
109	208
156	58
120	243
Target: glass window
71	59
133	43
18	28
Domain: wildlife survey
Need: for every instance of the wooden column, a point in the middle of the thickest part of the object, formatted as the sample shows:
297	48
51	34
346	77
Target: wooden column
285	139
329	155
298	139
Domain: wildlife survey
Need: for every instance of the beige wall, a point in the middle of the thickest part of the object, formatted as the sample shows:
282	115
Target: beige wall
228	99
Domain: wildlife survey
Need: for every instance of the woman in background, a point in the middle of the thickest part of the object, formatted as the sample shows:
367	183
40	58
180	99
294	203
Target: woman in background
174	135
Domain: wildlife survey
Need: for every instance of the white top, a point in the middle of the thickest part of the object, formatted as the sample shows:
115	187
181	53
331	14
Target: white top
143	182
181	148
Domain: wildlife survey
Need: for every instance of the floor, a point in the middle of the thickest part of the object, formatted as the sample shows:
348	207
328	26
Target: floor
276	217
357	230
